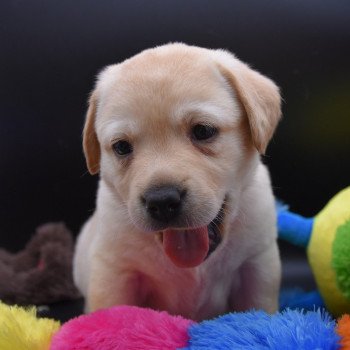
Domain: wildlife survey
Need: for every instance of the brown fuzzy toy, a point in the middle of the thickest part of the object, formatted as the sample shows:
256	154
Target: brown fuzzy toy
42	272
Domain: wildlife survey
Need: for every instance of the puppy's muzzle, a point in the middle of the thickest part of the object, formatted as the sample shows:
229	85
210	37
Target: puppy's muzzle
164	203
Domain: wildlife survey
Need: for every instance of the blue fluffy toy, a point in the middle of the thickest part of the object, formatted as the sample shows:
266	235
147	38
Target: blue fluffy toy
288	330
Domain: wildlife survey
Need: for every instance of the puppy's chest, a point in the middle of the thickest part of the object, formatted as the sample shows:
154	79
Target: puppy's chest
196	294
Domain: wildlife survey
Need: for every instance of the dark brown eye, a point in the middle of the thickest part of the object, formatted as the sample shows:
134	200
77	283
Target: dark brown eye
201	132
122	147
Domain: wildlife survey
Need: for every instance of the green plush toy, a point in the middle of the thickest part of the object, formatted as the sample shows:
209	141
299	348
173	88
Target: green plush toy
326	238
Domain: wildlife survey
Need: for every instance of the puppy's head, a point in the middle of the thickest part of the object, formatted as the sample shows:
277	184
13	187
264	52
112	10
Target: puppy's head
175	133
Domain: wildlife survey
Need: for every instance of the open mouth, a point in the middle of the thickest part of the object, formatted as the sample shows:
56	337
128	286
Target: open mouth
191	246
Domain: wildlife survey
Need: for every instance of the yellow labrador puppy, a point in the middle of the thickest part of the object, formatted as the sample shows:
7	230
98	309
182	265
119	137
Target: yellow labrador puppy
185	218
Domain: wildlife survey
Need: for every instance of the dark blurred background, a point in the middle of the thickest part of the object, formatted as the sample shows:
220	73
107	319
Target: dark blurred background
51	51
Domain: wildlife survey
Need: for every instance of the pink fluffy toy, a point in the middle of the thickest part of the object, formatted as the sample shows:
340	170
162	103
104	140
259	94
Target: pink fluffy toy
123	328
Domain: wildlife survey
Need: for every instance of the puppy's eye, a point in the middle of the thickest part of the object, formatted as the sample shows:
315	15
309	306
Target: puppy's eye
202	132
122	147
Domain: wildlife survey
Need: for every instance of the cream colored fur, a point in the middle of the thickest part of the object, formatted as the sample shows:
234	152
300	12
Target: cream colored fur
152	100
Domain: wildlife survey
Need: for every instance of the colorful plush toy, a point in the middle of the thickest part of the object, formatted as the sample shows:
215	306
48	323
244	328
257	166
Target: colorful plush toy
20	329
42	272
327	240
122	328
343	330
128	327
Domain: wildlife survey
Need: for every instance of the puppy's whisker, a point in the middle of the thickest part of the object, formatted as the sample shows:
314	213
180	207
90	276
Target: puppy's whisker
84	173
241	216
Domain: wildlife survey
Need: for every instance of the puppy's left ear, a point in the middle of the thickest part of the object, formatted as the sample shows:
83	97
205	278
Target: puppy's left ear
259	96
91	144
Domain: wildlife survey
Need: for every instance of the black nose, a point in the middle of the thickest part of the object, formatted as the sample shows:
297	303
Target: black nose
163	203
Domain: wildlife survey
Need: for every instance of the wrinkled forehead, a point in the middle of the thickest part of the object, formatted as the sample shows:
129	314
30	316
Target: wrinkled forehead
154	87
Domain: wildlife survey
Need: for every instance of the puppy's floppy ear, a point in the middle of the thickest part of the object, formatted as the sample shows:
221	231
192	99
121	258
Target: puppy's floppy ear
259	96
91	145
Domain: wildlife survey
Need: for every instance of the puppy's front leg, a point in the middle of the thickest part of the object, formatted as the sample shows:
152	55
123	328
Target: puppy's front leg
108	287
260	282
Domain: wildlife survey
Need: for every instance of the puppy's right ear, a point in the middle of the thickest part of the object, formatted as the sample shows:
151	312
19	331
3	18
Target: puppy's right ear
91	145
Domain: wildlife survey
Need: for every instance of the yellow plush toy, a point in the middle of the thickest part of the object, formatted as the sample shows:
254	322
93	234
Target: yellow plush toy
327	240
20	329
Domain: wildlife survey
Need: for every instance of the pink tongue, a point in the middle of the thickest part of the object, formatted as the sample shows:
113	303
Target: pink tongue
186	248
